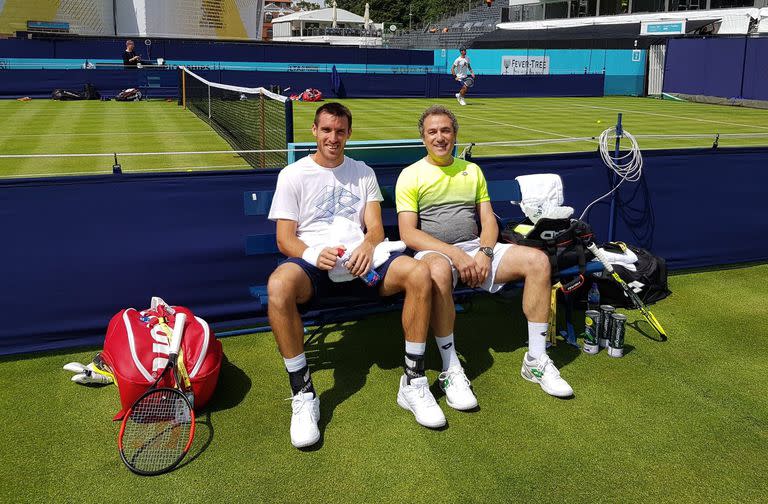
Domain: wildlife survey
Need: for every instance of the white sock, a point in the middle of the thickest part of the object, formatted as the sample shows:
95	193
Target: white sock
447	351
413	348
296	363
537	339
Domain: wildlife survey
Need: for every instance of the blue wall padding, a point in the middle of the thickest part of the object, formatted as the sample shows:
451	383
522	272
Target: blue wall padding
755	85
699	208
710	67
176	49
23	48
40	83
78	249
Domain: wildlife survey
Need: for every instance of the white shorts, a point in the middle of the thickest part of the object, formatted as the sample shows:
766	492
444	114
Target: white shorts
472	247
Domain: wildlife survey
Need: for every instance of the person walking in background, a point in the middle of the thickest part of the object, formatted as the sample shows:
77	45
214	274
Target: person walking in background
460	70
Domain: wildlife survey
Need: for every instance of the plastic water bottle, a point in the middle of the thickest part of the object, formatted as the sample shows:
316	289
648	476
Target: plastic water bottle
370	278
593	297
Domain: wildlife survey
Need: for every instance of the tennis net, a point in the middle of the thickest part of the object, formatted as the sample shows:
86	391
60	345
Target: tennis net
249	119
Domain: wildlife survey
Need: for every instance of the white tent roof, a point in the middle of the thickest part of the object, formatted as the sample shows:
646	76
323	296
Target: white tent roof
324	15
632	18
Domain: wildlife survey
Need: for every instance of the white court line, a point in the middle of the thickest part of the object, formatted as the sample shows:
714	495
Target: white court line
139	171
110	133
670	116
519	127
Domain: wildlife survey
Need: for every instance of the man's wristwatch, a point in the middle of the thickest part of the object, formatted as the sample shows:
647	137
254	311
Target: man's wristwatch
487	251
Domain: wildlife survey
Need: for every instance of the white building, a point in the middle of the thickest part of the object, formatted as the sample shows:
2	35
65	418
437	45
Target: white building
327	26
535	10
739	21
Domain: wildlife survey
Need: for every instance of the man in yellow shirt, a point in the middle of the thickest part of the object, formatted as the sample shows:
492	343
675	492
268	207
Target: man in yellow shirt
439	202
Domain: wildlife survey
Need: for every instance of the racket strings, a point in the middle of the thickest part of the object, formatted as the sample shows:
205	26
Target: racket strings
157	431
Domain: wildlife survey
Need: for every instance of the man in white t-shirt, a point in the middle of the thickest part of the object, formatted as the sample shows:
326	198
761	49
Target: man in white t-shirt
460	70
315	196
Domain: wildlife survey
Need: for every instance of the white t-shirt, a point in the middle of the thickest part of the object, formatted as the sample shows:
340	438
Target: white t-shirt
313	196
462	67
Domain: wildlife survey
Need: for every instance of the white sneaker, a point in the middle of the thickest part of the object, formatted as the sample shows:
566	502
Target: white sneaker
418	399
457	389
461	101
306	412
544	372
459	98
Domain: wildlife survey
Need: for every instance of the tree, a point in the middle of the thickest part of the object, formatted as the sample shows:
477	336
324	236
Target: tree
397	11
307	6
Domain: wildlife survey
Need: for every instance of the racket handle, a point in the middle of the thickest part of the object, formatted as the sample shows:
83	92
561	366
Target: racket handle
600	256
178	332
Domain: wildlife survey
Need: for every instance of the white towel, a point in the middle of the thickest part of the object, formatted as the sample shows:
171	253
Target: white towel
382	251
626	259
542	196
344	233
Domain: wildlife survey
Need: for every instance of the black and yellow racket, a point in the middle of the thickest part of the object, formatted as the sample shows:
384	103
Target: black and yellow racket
631	294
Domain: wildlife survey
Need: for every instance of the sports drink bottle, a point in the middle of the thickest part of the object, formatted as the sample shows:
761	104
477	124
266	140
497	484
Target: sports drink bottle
370	278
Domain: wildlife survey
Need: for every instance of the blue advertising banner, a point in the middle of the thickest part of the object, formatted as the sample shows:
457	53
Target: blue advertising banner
78	249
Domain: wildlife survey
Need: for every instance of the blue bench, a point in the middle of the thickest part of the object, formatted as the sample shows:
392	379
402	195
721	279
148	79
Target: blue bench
327	311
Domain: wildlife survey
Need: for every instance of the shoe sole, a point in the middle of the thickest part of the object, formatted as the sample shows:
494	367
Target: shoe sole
456	406
461	408
404	404
306	443
532	379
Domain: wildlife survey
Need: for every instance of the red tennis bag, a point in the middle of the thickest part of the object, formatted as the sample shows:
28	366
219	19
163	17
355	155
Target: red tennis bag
312	95
136	349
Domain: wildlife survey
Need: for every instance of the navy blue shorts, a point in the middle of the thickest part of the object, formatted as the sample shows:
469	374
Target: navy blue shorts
324	287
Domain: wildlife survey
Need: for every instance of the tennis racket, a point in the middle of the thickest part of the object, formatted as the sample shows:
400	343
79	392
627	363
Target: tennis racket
632	295
181	370
158	429
468	82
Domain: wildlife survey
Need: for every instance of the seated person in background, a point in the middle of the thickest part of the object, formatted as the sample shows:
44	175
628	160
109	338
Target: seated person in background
440	200
130	59
315	196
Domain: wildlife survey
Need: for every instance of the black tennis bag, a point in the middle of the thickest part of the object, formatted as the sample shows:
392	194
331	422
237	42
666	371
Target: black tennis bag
649	281
90	93
64	95
564	240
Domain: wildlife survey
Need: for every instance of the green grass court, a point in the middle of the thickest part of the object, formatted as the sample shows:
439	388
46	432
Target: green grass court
680	421
48	127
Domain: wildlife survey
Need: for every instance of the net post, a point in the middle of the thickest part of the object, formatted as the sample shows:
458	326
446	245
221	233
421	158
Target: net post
116	168
183	87
288	121
262	139
612	212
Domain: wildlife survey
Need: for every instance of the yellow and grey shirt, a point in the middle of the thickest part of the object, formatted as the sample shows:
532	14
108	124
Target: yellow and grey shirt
445	197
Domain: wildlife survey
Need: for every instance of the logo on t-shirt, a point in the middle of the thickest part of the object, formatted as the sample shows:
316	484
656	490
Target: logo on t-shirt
336	201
